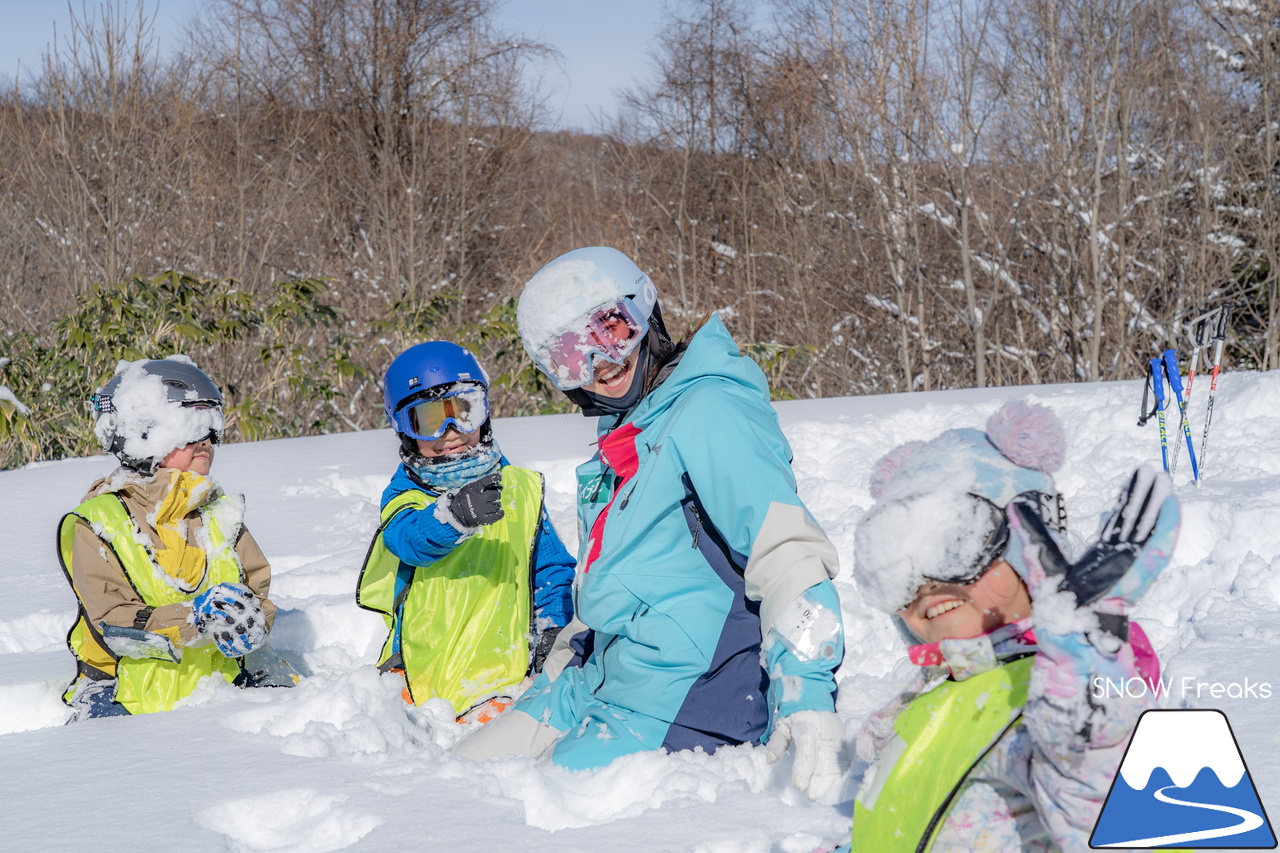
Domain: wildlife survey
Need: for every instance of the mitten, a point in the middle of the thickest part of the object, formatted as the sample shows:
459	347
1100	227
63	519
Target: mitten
229	614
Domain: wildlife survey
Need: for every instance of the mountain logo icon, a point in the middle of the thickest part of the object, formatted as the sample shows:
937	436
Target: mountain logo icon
1183	783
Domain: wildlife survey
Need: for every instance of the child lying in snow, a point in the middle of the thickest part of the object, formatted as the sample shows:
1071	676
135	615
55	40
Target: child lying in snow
170	585
999	744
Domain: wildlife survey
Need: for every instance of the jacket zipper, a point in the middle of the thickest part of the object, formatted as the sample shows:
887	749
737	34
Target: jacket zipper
697	527
604	652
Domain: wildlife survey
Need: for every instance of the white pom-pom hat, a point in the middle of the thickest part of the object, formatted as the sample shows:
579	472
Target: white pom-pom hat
937	501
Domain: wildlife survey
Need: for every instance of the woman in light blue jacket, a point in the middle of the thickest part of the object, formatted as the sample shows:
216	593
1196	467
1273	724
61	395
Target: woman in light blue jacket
705	612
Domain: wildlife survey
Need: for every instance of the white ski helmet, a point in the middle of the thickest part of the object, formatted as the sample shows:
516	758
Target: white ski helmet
564	294
153	406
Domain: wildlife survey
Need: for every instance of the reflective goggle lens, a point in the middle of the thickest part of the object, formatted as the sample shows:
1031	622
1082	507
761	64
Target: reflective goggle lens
611	333
996	541
467	410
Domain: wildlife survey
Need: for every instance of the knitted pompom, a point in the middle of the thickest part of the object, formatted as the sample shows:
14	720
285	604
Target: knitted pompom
1028	435
888	466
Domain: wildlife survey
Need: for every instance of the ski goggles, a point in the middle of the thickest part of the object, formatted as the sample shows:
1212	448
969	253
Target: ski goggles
464	406
611	332
970	566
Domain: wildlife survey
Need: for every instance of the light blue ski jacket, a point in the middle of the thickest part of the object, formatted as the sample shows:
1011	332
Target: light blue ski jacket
679	585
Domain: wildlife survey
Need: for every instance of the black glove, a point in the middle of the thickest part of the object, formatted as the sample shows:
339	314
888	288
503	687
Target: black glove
1135	545
479	502
1107	569
546	640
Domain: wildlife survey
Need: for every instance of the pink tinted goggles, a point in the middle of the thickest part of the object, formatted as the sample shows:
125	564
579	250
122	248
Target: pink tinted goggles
612	333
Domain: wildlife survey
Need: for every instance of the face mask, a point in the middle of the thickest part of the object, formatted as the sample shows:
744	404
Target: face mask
459	469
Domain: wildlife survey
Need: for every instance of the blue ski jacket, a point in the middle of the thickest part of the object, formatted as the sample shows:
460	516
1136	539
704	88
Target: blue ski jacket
418	538
693	541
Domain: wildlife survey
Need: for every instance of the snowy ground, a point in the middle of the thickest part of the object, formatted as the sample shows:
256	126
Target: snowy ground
342	764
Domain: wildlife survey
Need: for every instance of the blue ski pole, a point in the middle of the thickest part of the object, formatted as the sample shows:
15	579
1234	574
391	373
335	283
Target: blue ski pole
1157	385
1175	382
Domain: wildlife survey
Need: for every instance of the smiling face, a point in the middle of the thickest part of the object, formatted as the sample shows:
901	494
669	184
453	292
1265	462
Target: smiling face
951	610
452	441
613	380
196	457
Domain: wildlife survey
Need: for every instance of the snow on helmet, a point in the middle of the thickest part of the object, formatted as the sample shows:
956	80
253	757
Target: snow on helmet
428	371
939	510
152	406
563	295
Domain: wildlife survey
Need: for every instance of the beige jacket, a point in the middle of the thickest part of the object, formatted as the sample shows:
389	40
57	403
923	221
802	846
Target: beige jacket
104	589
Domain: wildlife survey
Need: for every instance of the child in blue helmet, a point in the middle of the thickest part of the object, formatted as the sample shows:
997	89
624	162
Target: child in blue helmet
1002	742
465	567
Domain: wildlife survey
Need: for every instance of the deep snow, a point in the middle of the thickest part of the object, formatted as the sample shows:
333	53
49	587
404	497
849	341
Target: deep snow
340	763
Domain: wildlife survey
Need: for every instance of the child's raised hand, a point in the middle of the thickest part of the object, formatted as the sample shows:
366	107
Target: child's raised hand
479	502
1135	544
1081	614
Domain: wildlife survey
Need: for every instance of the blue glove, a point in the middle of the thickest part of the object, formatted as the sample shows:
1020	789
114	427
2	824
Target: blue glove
229	614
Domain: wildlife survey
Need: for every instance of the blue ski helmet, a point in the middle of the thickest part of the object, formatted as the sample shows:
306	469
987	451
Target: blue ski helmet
424	366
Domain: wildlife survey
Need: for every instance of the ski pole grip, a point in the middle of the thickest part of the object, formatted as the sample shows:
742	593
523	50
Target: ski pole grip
1200	331
1220	331
1157	381
1171	368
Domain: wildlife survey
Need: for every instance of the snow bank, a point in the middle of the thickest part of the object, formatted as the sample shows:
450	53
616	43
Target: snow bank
341	762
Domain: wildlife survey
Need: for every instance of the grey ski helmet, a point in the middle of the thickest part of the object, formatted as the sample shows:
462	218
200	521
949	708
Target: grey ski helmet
152	406
564	294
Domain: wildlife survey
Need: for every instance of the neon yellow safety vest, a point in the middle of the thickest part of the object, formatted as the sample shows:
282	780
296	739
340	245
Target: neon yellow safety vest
465	620
145	685
941	737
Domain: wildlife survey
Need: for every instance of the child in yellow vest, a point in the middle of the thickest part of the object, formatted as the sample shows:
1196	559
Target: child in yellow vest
465	567
1001	743
170	585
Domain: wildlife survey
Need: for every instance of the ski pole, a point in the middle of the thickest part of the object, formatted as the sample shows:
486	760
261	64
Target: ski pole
1175	382
1219	337
1199	337
1157	386
1145	414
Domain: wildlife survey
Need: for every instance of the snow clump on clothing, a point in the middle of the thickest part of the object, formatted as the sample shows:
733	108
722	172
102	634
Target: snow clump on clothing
144	418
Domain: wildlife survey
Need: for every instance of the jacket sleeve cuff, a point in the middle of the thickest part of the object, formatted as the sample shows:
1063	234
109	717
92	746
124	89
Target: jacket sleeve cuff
801	665
418	538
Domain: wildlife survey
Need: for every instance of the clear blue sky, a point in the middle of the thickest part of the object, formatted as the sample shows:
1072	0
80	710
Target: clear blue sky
604	43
